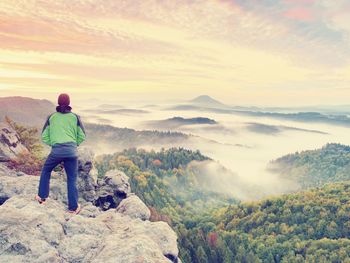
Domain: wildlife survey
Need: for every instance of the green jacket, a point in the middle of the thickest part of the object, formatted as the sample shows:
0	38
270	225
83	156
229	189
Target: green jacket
63	127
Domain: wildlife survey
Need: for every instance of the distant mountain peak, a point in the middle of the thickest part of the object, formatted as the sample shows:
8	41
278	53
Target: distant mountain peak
205	99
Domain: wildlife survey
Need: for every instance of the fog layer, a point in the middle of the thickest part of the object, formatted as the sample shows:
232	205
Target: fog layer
243	144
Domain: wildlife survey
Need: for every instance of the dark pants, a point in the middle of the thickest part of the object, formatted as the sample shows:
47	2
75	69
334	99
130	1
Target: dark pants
71	168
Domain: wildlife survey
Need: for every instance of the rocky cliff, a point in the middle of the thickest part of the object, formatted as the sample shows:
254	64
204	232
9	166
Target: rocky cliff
113	225
10	145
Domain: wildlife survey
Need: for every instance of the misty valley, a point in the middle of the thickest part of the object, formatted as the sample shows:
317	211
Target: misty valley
162	131
237	184
243	141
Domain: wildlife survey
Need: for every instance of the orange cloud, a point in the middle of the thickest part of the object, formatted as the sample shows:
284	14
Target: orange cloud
43	35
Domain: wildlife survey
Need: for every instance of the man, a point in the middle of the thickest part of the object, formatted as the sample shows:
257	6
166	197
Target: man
63	131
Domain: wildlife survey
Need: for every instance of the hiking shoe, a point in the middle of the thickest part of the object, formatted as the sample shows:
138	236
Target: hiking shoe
76	211
40	200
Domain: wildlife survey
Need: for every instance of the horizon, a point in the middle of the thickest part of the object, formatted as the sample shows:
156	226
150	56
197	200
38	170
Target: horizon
289	53
53	98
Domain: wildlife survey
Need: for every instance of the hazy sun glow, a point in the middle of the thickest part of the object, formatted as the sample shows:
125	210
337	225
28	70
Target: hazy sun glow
242	52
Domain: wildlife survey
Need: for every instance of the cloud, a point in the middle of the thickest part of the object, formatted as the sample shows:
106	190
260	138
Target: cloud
214	177
301	14
176	45
300	2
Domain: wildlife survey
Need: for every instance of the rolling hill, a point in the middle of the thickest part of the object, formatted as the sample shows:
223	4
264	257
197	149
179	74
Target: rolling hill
26	110
314	168
180	121
308	226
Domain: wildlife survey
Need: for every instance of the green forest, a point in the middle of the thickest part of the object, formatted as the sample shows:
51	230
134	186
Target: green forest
313	168
162	181
311	226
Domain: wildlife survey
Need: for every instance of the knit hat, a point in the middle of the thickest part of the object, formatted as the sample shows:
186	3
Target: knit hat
63	99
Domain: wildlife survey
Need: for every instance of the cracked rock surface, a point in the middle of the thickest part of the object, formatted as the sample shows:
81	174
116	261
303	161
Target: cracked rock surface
121	232
30	232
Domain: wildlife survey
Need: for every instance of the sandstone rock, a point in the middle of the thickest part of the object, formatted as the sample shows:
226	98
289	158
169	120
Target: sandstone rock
165	237
10	145
30	232
134	207
86	156
117	180
112	188
87	181
12	185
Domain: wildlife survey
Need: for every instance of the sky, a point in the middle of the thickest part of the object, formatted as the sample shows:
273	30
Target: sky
267	52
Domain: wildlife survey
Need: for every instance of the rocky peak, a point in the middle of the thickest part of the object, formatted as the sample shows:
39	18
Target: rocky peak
113	225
